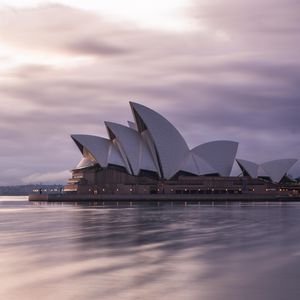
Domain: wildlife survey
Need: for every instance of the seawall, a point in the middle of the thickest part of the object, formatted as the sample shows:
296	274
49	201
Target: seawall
161	198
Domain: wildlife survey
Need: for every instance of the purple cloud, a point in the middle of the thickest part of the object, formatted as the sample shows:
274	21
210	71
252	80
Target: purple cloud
238	79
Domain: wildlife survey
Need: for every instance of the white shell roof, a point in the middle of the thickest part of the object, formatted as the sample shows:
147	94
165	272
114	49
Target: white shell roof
96	145
103	150
250	167
115	157
278	168
196	165
132	125
169	145
146	160
219	154
131	144
189	165
275	169
152	150
261	172
85	163
204	168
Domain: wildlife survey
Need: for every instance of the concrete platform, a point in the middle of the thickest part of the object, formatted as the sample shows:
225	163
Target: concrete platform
162	198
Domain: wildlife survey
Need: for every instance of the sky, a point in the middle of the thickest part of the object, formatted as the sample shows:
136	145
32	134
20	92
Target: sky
217	69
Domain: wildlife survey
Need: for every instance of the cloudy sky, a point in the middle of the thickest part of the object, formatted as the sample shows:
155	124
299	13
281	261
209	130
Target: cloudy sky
217	69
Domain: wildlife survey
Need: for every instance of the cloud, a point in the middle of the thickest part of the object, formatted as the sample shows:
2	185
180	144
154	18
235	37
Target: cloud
91	47
236	78
57	29
246	16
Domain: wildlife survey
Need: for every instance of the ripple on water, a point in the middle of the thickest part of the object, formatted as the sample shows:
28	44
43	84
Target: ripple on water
196	252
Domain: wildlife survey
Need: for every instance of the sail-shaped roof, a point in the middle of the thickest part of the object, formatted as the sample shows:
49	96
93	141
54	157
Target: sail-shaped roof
278	168
204	168
196	165
132	125
115	157
170	147
99	149
132	146
249	167
219	154
97	146
275	169
85	163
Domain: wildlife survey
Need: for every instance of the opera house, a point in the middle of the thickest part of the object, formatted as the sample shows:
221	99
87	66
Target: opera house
150	156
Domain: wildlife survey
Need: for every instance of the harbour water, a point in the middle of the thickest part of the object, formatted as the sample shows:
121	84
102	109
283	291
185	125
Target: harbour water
71	251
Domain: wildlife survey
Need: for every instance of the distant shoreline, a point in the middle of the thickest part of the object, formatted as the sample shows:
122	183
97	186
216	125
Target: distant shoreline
27	189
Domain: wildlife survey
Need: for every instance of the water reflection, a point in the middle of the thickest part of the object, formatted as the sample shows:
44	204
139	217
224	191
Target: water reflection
145	252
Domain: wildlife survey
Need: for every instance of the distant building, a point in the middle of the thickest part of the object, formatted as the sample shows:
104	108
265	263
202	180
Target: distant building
151	156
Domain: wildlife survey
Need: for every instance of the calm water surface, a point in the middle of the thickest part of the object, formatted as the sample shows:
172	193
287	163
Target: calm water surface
248	251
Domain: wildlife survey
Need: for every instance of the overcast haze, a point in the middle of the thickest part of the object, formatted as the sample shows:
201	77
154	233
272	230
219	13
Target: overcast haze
219	69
